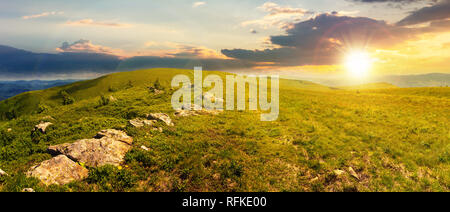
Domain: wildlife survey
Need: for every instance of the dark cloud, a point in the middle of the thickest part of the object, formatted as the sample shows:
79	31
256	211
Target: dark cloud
383	1
439	11
16	63
321	40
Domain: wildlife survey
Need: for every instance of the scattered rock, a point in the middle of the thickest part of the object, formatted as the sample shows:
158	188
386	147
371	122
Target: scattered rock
194	110
112	99
59	170
9	130
162	117
338	172
42	127
158	92
3	173
95	152
353	173
185	113
138	123
29	190
116	135
145	148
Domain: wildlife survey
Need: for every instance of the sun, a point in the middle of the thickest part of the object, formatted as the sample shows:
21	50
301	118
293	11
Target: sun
358	64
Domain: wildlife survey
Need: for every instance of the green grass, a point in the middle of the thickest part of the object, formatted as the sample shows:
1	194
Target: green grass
395	139
370	86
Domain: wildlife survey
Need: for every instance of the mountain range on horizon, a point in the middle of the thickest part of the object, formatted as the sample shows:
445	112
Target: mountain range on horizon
21	64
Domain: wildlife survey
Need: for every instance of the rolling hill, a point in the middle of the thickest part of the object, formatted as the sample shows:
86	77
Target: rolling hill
325	139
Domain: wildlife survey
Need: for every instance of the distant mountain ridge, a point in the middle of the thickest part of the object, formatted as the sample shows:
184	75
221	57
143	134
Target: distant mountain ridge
11	88
421	80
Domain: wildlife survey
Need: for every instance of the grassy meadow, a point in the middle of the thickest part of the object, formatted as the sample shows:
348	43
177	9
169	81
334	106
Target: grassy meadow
395	139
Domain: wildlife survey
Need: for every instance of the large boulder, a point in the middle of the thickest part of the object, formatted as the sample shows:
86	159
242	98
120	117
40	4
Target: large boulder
109	147
59	170
162	117
42	127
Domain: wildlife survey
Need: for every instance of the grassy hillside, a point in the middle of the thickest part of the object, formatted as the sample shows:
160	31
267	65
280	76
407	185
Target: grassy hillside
394	139
369	86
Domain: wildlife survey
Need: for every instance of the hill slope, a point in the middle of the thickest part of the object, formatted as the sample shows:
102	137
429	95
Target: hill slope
394	141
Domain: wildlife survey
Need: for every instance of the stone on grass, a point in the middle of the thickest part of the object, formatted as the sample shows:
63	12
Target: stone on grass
338	172
116	135
59	170
108	147
3	173
42	127
353	173
145	148
162	117
29	190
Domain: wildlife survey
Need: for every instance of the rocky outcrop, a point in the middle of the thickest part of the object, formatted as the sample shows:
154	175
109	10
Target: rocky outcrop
42	127
108	147
59	170
161	117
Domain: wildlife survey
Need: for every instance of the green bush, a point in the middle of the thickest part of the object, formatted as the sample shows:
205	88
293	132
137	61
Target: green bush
110	178
147	159
42	108
67	99
104	100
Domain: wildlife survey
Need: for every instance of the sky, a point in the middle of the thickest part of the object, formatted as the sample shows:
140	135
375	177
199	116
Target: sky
292	36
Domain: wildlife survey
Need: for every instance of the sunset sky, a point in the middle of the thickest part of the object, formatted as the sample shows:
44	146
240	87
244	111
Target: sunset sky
301	36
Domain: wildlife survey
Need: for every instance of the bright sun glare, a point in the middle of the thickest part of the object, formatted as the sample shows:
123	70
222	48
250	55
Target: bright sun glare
358	64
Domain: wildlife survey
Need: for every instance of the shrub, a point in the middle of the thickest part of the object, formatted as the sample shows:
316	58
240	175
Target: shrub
109	178
67	99
140	156
103	100
42	108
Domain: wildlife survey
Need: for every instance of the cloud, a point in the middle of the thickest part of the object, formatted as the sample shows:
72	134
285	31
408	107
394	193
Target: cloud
171	49
44	14
90	22
85	46
322	39
198	4
439	11
20	63
278	16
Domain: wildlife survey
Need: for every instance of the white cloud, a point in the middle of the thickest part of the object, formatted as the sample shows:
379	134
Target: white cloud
86	46
198	4
44	14
90	22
